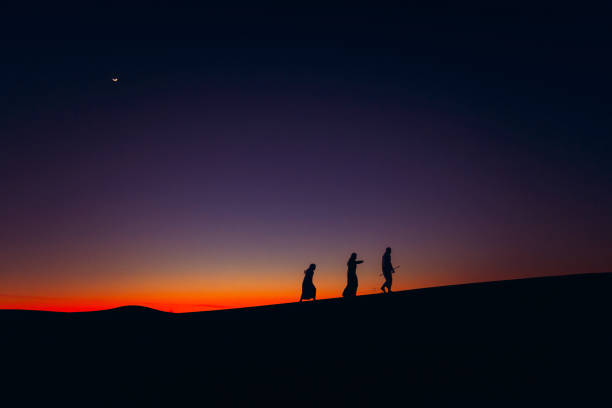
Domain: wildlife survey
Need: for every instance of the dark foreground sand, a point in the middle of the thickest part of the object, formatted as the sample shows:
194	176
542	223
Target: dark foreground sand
533	342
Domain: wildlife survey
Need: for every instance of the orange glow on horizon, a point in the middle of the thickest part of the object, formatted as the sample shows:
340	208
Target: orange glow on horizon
199	284
175	301
193	301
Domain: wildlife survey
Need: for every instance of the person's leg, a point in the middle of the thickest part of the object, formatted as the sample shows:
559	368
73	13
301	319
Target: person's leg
386	284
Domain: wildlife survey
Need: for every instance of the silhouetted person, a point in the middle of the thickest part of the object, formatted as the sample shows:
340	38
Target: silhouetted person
308	288
351	276
387	270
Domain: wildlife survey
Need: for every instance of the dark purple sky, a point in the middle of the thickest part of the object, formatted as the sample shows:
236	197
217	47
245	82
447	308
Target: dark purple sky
224	161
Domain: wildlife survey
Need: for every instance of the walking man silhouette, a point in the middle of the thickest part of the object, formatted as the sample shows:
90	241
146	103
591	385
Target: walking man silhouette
387	270
351	276
308	288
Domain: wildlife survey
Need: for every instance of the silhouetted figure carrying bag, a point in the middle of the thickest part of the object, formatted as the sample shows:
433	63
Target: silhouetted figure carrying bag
387	270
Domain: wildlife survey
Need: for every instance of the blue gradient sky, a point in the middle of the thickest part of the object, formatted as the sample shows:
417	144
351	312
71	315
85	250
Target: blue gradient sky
215	171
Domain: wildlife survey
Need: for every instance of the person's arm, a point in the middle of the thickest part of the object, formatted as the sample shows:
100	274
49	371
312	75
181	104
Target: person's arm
358	262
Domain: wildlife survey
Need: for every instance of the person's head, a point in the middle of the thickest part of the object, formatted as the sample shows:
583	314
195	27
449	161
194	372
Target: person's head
353	255
312	267
388	250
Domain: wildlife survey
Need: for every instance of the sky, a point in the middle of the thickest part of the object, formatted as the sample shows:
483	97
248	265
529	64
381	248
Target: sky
240	145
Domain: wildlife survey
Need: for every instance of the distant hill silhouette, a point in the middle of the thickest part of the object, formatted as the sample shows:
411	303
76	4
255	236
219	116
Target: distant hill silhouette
497	341
132	309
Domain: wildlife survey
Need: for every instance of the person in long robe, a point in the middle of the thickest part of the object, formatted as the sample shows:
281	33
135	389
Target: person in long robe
387	270
308	288
351	276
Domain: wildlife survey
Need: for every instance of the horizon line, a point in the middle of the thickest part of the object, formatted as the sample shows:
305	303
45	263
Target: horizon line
223	308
